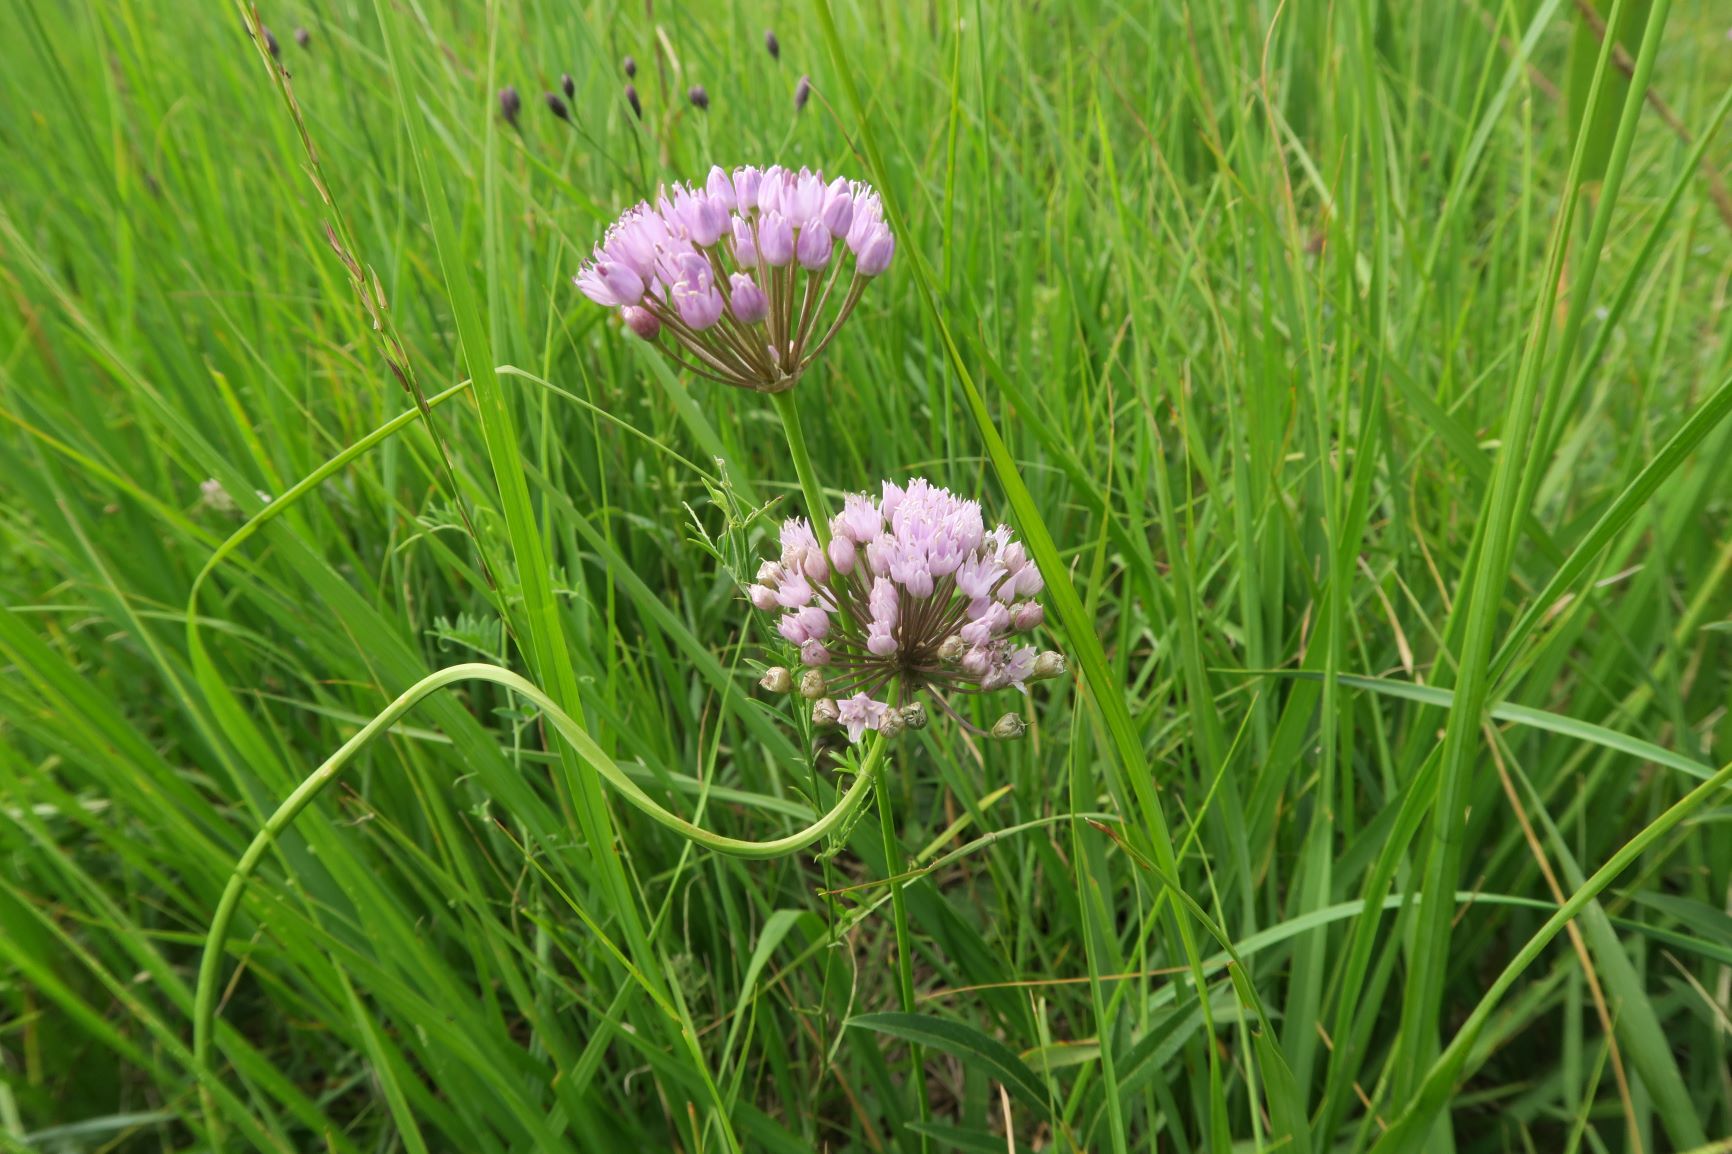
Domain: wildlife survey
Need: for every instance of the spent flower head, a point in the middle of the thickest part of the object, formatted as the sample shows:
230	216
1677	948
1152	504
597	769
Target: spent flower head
913	590
741	269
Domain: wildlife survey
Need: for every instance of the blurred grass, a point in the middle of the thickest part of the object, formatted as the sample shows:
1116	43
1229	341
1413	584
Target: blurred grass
1253	304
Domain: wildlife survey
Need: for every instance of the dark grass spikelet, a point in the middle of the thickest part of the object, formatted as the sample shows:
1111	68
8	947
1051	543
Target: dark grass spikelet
699	97
772	45
275	49
303	37
630	66
568	86
510	104
631	99
557	106
802	93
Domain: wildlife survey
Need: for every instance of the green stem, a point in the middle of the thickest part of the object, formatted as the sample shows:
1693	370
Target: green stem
210	965
817	505
894	861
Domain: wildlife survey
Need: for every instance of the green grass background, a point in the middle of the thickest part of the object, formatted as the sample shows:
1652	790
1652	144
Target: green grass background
1360	371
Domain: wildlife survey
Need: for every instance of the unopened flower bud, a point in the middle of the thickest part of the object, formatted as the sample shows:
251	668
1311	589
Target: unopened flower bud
814	653
303	37
777	679
802	93
630	66
1009	727
951	648
641	321
824	711
747	300
557	106
914	715
631	96
1048	664
568	86
892	724
509	104
699	97
812	685
773	45
1027	615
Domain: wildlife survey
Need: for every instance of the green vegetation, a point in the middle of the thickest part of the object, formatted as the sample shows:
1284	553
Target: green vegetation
1358	374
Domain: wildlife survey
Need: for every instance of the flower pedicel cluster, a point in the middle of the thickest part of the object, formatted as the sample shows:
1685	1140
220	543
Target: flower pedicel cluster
742	269
914	590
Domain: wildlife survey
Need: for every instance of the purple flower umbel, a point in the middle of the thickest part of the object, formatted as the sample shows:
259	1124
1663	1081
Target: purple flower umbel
914	590
741	270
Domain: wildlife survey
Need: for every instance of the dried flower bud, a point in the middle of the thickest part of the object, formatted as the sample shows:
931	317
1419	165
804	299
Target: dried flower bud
557	106
774	45
510	104
777	679
1009	727
952	648
631	98
914	715
271	44
892	724
812	685
630	66
824	711
700	99
303	37
1048	664
568	86
802	93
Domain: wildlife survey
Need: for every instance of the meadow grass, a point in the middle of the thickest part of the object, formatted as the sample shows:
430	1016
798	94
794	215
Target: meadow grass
1358	374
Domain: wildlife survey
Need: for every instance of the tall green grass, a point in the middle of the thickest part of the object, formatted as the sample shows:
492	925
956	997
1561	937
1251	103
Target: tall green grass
1359	374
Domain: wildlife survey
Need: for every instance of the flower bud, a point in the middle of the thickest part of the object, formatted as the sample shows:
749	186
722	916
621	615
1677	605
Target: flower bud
568	86
812	685
631	93
641	321
748	302
777	679
802	93
773	45
824	712
557	106
775	239
951	648
892	724
1027	615
630	66
814	654
914	715
763	597
699	97
509	104
843	553
875	252
1009	727
271	44
814	246
1048	664
303	37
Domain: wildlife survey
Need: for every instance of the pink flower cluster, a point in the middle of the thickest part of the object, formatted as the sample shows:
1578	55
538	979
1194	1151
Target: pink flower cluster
741	269
911	587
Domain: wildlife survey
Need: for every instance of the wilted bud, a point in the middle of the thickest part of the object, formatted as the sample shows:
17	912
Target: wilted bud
824	712
271	44
568	86
303	37
631	98
557	106
700	99
1048	664
774	45
630	66
802	93
914	715
892	724
1009	727
812	685
777	679
510	104
642	322
951	648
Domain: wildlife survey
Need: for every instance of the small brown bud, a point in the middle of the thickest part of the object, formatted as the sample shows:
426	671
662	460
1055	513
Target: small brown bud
510	104
773	45
777	679
271	44
631	99
951	648
630	66
824	712
557	106
1009	727
892	724
568	86
812	685
1048	664
914	715
699	97
802	93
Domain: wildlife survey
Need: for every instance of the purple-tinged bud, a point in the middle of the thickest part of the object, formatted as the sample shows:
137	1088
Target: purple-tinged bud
802	93
875	252
843	553
568	86
1027	615
699	308
824	712
630	66
699	97
644	323
772	188
812	685
510	104
777	679
1009	727
914	715
610	284
720	186
1048	664
557	106
815	246
775	239
976	662
813	653
747	179
631	94
303	37
838	211
773	45
745	245
271	45
762	596
748	302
